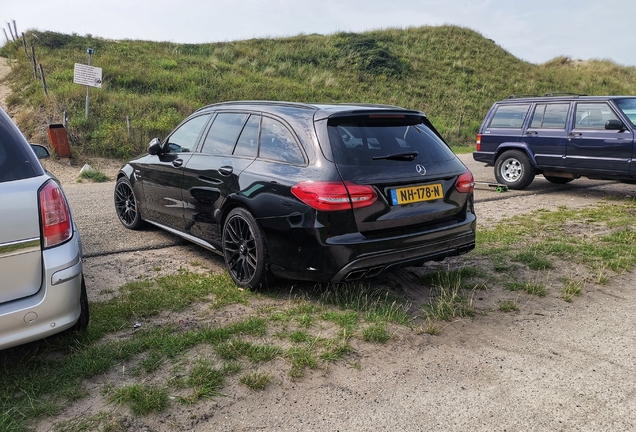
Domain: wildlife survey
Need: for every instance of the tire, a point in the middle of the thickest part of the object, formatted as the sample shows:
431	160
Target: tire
558	180
513	169
244	250
82	322
126	205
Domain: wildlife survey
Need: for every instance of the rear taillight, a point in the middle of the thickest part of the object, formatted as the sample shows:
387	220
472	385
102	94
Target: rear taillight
55	215
478	142
465	183
334	196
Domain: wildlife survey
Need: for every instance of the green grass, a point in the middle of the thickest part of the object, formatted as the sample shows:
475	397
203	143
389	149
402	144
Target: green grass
156	84
309	330
95	175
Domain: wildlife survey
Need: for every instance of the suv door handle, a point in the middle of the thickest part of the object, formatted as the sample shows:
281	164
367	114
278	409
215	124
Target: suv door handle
532	133
576	134
177	162
226	171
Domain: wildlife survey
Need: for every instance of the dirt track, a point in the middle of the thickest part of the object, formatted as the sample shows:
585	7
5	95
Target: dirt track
551	366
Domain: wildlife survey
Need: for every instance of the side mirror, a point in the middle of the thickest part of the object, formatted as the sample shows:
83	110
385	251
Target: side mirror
615	125
154	147
40	151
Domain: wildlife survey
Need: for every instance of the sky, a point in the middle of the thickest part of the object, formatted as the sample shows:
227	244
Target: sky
532	30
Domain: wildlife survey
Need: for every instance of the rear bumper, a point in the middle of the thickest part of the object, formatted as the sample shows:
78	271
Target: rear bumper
486	157
54	308
348	258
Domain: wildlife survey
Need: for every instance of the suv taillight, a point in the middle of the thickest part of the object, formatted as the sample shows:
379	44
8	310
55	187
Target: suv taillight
55	215
334	196
478	147
465	183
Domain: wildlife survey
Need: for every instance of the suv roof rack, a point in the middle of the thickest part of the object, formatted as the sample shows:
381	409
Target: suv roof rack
521	96
556	94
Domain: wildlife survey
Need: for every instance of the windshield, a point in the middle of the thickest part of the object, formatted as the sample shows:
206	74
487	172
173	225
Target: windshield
628	106
365	140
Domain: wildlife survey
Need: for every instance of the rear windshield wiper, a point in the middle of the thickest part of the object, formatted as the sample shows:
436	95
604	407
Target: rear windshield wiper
408	156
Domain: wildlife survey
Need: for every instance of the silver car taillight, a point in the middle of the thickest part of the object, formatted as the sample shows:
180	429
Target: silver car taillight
55	215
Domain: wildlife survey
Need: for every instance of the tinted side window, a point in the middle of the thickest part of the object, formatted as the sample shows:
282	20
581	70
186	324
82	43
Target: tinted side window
550	116
247	144
224	133
185	137
278	143
593	115
509	116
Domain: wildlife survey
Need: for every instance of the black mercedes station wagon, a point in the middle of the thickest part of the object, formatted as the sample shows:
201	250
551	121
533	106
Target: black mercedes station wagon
320	192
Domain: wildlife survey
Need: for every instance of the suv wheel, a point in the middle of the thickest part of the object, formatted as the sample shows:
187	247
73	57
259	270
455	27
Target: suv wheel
244	250
513	169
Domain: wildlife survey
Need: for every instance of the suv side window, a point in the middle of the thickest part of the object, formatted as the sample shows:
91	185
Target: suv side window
510	116
593	115
278	143
223	133
550	116
184	139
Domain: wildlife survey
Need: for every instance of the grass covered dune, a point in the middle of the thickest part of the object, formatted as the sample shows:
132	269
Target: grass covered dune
452	73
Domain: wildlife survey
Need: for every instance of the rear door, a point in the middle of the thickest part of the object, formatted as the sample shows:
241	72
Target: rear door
546	135
411	168
591	147
229	146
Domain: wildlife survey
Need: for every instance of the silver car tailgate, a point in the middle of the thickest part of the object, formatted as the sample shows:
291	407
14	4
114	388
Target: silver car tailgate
20	245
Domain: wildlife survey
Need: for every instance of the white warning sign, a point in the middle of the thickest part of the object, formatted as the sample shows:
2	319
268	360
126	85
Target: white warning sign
87	75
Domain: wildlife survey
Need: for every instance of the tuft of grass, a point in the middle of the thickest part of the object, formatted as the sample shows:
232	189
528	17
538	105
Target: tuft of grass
447	295
507	306
95	175
206	381
571	288
377	333
256	380
533	288
300	359
141	398
534	260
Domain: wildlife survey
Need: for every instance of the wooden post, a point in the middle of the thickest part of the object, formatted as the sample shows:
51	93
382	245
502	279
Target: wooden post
35	67
10	31
24	45
43	80
128	124
15	29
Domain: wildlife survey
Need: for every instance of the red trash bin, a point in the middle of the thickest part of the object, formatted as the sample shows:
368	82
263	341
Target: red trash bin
59	140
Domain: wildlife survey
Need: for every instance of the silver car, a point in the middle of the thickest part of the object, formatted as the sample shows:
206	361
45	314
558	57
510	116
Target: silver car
42	290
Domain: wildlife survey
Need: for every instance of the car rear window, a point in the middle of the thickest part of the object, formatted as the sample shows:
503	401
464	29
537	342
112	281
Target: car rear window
14	164
358	140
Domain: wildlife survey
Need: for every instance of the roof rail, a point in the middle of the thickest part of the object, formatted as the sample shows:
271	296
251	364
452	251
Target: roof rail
556	94
521	96
261	102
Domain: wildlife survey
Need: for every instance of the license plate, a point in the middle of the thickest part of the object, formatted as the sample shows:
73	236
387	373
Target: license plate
414	194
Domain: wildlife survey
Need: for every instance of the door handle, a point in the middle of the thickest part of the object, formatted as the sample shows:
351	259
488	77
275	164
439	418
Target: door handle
226	171
177	162
576	134
532	133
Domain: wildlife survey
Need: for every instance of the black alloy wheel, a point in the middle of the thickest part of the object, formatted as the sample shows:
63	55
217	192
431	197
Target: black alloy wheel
126	205
244	250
